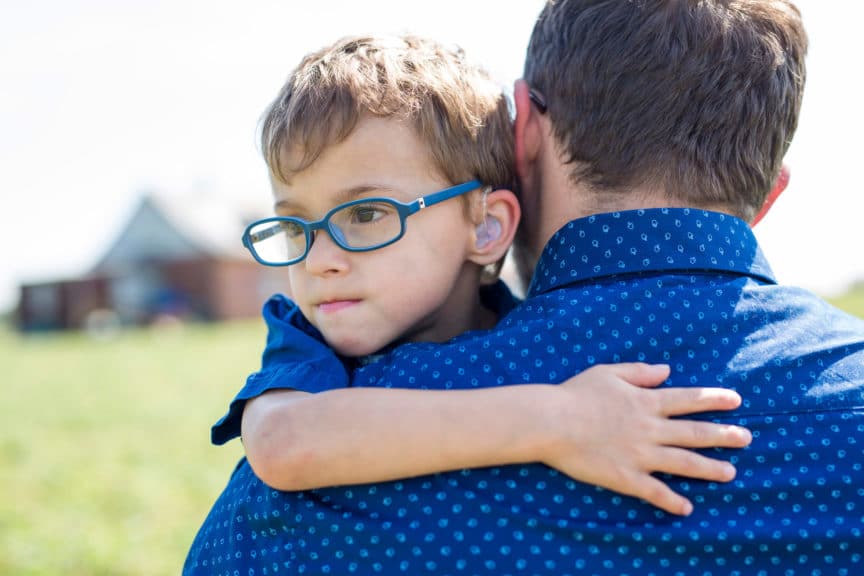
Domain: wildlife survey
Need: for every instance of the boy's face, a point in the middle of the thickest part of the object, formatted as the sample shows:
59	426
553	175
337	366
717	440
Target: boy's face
421	288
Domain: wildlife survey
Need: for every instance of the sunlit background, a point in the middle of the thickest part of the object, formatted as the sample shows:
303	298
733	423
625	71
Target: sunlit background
103	100
105	463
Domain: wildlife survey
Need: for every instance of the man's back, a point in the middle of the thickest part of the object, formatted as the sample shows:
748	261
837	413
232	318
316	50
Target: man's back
678	286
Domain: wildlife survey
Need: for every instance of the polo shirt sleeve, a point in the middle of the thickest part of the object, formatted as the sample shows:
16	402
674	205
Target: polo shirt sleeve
295	358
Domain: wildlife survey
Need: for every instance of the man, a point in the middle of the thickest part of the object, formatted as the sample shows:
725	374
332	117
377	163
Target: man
648	134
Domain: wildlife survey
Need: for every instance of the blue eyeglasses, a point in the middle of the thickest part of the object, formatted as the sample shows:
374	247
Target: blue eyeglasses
357	226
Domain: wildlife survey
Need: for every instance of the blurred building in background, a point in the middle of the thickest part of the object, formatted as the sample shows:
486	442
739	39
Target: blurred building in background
177	258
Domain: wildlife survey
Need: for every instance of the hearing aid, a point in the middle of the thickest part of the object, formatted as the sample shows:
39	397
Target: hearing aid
488	231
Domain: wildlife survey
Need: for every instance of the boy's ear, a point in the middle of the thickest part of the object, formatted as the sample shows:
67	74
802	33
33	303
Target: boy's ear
779	187
494	233
526	129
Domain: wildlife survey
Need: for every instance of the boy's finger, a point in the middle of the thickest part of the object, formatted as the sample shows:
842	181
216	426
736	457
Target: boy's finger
662	496
681	462
639	373
695	434
678	401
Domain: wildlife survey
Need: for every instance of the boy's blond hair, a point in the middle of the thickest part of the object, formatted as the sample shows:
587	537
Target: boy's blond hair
456	110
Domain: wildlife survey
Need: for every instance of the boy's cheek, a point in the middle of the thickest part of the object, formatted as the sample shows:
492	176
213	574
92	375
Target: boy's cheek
286	285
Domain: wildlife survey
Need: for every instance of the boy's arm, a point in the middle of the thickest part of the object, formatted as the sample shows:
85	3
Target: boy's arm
600	427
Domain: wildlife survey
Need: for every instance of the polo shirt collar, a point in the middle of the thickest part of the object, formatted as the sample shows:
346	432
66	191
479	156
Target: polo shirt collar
657	240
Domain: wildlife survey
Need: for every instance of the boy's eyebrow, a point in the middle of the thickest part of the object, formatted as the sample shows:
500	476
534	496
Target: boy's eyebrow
354	192
345	195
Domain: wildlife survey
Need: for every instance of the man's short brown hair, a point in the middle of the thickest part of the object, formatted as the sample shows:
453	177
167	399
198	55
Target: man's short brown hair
699	98
457	111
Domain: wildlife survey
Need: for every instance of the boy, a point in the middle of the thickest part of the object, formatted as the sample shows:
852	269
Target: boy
364	137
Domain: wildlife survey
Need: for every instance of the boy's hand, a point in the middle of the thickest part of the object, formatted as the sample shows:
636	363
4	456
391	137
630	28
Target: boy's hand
614	433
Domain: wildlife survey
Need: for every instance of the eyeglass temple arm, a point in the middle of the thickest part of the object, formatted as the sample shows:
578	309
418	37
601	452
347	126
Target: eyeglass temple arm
418	204
441	196
262	234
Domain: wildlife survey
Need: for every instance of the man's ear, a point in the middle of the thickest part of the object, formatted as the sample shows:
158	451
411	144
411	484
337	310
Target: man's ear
494	232
526	129
779	187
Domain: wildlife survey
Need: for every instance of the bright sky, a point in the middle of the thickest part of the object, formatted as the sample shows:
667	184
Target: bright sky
104	99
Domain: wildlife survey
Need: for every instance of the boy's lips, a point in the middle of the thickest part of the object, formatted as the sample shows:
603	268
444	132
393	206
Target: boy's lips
335	305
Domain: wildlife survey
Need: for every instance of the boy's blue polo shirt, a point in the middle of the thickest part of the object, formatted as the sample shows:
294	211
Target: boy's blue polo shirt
686	287
296	357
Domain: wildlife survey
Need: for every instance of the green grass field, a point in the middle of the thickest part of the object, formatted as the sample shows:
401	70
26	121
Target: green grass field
105	461
852	301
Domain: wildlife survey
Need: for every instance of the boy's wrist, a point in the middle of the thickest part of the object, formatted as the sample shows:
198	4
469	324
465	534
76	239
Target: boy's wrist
540	436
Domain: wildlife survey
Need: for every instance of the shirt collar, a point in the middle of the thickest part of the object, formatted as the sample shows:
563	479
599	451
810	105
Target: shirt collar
655	240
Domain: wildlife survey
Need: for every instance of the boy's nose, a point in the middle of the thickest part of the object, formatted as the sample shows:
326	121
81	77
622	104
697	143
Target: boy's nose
325	257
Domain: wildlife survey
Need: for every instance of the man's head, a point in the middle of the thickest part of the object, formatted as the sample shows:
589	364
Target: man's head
693	103
400	119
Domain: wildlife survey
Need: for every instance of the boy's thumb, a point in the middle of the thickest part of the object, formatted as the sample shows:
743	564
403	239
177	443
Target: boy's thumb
642	374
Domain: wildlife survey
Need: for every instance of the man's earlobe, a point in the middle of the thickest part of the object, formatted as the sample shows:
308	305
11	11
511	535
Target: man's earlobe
779	187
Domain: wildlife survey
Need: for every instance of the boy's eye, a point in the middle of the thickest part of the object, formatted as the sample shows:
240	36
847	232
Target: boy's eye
292	229
368	213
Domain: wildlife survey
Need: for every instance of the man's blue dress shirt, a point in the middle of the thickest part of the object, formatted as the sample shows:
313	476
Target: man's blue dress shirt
685	287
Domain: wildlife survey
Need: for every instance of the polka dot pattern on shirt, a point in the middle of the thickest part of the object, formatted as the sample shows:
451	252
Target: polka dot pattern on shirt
685	287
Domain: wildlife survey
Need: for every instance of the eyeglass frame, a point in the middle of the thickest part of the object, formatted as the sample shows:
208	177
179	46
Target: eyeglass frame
403	209
538	100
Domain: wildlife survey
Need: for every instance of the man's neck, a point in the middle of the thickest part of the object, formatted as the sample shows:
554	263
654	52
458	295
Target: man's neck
568	201
551	199
563	202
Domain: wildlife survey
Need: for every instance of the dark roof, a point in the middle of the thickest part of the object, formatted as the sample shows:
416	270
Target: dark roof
178	227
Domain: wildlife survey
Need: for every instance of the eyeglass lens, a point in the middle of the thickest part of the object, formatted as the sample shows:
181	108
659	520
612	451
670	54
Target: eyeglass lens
359	226
366	225
277	242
